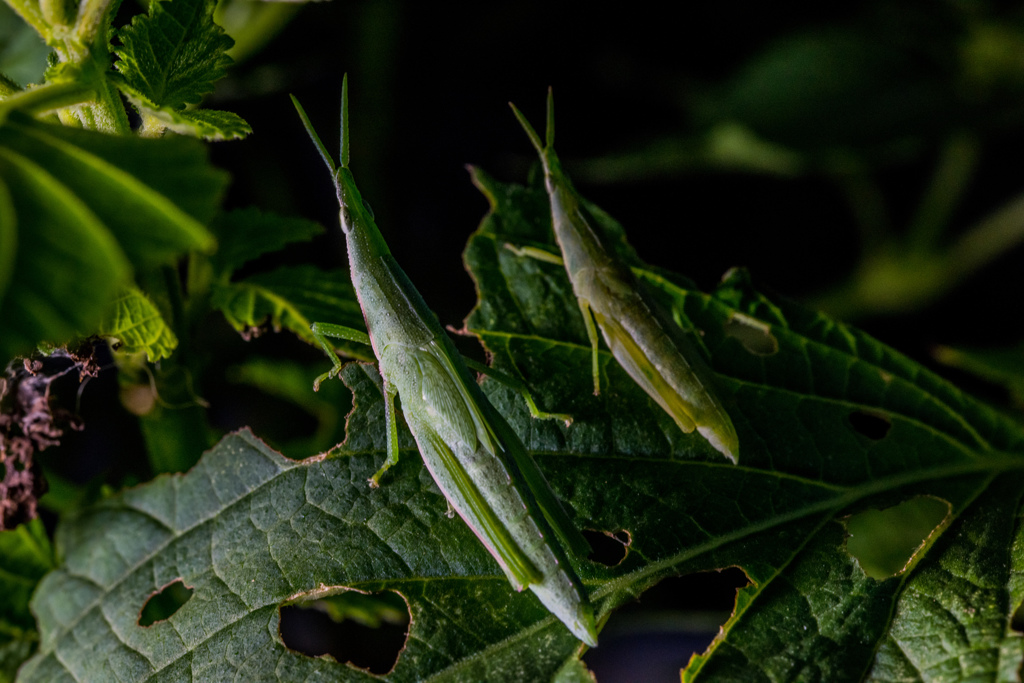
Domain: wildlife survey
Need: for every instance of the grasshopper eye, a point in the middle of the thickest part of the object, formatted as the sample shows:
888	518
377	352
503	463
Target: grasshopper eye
345	219
369	209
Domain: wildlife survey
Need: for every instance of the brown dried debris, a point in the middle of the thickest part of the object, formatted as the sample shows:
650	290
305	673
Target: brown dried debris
30	423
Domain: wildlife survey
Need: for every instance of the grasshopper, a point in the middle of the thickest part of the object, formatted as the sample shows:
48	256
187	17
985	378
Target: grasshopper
474	456
665	365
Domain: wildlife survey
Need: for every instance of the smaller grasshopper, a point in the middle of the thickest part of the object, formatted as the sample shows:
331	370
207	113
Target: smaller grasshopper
664	365
474	456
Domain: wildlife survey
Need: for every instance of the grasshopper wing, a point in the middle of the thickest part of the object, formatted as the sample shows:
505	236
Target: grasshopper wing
498	438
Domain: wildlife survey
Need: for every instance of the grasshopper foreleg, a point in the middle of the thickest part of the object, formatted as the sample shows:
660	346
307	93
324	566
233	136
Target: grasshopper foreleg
323	331
536	253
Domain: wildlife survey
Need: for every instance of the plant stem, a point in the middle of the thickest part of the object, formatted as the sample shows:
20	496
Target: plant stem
105	113
92	16
48	97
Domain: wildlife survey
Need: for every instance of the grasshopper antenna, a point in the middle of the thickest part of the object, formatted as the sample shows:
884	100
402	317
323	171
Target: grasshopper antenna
314	137
530	132
344	121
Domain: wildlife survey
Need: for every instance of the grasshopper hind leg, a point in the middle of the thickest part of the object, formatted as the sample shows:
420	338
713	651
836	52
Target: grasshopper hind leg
323	331
519	387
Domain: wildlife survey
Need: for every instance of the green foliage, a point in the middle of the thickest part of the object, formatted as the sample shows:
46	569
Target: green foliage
109	234
82	210
1001	366
289	382
136	326
290	297
249	530
842	105
25	556
883	541
246	234
169	59
173	55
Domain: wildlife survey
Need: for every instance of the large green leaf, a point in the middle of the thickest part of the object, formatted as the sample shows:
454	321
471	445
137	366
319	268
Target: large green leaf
80	211
248	530
830	421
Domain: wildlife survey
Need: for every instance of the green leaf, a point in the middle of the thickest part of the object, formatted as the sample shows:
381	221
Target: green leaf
67	267
209	124
248	530
804	465
246	234
169	59
25	556
80	211
172	56
136	324
292	297
23	56
138	207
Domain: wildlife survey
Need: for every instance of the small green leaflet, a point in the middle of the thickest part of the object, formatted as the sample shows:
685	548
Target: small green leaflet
135	325
169	61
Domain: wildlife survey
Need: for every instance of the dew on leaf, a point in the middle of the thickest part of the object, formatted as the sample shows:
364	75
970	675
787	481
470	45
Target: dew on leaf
368	630
165	602
884	541
608	547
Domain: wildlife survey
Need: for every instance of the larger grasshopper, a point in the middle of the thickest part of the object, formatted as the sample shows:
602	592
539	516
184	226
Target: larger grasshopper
665	365
474	456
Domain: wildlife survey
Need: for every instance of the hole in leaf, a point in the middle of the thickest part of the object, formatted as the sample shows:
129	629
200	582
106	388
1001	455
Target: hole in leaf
165	602
367	630
1017	620
607	547
755	336
884	541
653	638
871	425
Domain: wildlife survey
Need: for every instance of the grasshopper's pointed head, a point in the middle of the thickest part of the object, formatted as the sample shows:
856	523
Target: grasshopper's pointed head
553	173
355	210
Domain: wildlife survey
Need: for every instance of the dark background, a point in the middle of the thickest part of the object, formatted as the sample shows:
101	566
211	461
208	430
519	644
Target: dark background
429	87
